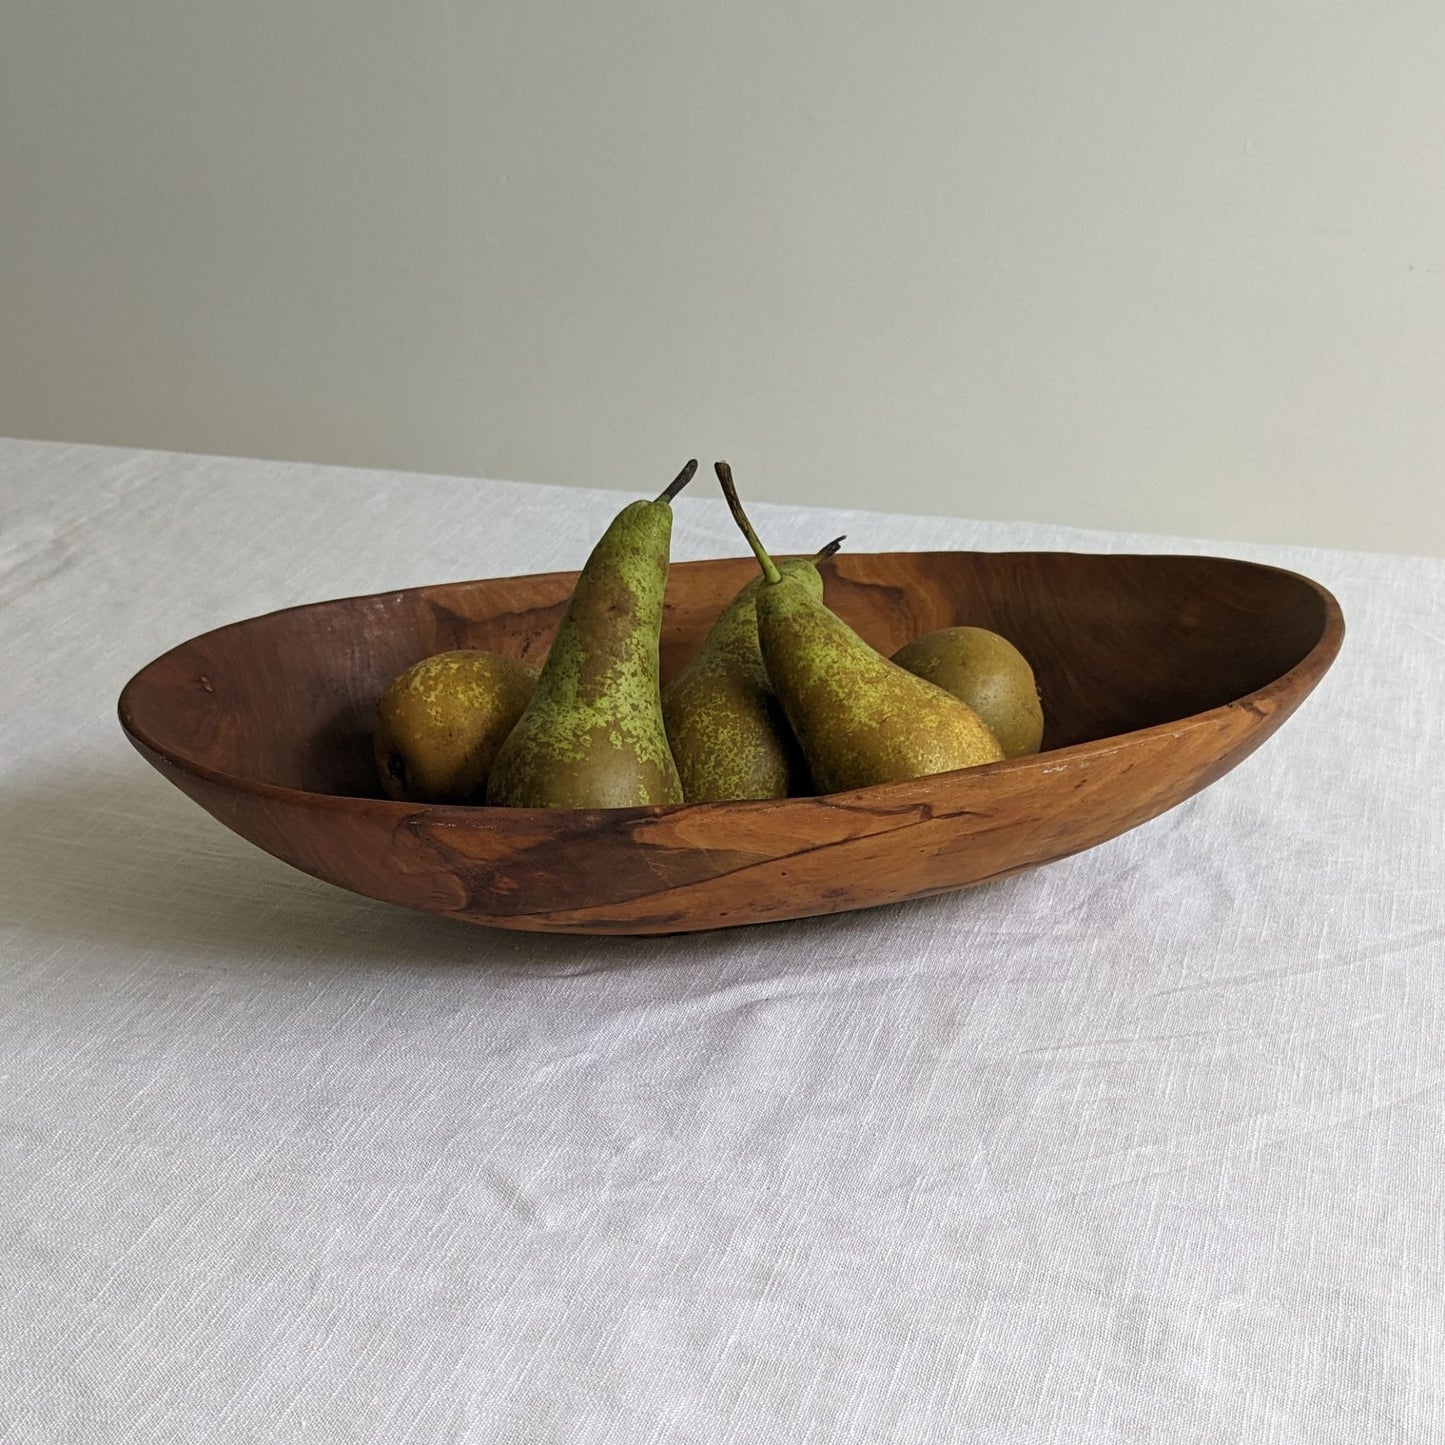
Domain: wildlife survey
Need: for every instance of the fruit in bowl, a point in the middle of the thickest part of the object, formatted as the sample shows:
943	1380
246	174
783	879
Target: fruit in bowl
1158	674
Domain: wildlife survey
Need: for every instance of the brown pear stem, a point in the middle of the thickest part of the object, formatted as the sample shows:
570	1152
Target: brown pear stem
829	550
679	481
725	477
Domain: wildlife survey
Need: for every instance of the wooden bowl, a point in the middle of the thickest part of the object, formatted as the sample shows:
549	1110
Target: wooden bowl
1158	675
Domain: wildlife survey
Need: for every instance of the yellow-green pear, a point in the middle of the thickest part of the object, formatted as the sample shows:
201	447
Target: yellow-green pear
988	673
859	718
592	735
439	724
729	737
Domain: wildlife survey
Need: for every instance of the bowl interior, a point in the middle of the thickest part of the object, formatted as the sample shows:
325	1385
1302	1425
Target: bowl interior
1117	643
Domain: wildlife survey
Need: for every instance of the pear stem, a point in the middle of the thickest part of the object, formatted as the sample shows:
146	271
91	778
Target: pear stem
679	481
829	549
725	476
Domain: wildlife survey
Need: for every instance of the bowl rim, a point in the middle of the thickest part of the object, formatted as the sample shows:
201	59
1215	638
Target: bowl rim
1307	672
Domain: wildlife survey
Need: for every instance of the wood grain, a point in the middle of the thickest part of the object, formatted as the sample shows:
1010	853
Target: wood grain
1158	675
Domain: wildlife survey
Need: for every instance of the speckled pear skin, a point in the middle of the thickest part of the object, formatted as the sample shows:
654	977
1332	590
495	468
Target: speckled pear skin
988	673
440	723
859	718
592	735
729	736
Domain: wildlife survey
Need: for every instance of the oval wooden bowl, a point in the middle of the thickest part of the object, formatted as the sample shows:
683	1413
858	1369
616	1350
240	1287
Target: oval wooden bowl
1158	675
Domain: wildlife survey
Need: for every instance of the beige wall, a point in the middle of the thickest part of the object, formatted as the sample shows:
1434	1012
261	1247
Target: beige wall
1178	267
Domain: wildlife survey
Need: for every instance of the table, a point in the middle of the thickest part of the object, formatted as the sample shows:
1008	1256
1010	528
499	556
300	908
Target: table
1143	1146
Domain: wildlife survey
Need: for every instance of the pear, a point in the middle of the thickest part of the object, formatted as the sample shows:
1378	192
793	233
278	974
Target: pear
859	718
726	727
988	673
439	724
592	735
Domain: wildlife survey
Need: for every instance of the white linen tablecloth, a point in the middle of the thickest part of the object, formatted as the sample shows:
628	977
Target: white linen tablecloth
1143	1146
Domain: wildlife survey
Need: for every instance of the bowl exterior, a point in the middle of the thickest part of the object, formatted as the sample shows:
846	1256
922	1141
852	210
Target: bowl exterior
702	866
716	865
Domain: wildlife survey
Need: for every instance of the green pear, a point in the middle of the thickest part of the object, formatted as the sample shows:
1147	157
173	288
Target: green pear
439	724
859	718
988	673
592	735
727	730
